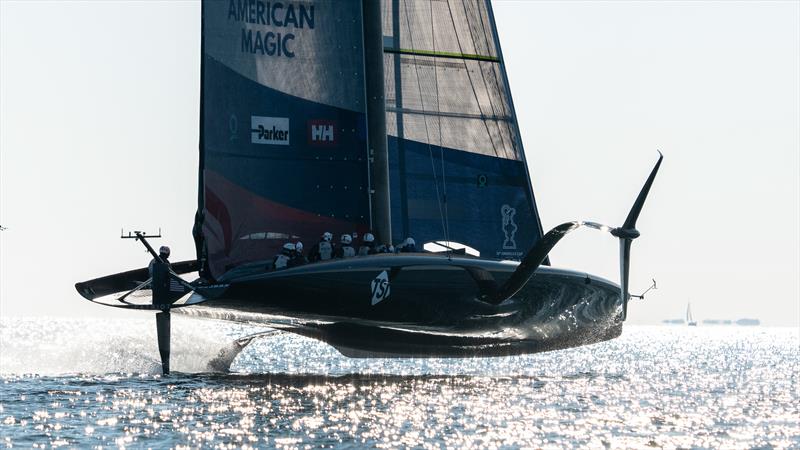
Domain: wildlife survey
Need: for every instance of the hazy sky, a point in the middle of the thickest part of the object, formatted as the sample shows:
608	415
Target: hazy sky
99	105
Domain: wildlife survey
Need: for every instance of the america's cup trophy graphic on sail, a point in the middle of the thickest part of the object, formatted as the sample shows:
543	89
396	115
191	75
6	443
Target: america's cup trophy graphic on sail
509	227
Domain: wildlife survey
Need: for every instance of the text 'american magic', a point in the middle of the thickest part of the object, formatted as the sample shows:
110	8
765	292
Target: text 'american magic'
273	14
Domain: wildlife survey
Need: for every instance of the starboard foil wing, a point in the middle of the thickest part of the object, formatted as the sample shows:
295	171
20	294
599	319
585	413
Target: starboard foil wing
139	295
126	281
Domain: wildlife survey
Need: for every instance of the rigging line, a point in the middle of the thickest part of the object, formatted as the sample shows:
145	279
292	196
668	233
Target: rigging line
425	118
469	77
514	142
441	149
483	78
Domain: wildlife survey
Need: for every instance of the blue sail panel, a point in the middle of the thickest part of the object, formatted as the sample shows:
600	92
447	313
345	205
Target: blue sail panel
488	205
452	128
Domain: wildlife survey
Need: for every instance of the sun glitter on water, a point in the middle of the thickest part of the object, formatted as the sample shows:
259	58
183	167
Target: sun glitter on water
654	386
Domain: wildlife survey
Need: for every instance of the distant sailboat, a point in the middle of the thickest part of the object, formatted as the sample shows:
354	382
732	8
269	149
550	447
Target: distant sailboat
689	319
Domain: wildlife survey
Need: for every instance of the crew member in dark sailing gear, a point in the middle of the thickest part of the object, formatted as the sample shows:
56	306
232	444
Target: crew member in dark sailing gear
165	289
409	246
367	245
383	248
283	259
345	250
299	259
322	250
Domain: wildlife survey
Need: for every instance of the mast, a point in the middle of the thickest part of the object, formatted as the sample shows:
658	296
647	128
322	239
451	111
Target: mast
376	121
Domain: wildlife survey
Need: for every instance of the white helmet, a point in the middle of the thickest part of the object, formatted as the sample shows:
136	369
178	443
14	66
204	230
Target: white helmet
369	237
410	241
288	246
347	239
327	236
298	246
164	250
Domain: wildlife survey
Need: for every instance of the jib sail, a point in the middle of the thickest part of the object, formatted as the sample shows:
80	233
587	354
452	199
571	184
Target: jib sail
283	128
457	165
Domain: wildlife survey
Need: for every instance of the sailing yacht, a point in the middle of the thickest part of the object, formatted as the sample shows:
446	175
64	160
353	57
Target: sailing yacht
689	319
391	117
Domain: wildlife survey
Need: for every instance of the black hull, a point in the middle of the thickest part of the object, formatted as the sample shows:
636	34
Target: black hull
432	309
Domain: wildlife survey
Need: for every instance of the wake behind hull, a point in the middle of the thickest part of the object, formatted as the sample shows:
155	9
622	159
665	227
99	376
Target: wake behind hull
431	310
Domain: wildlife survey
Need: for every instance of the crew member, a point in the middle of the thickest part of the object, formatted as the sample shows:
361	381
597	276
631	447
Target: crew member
383	248
409	246
284	258
165	290
367	245
322	250
299	259
345	250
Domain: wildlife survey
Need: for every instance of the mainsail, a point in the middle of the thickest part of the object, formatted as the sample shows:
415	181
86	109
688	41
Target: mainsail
283	128
457	166
284	132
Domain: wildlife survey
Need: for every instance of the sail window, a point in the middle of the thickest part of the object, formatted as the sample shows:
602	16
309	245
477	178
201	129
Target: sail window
447	246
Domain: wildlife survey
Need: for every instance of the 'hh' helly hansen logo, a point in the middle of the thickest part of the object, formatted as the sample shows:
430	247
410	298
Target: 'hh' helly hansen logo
321	132
269	130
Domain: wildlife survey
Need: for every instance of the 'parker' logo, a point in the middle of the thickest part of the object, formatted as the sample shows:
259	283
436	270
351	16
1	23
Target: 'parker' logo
509	227
269	130
321	132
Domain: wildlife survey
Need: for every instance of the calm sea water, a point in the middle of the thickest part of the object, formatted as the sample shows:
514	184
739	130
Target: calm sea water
95	383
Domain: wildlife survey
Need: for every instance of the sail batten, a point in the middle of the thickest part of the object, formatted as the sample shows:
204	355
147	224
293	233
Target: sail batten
448	114
441	54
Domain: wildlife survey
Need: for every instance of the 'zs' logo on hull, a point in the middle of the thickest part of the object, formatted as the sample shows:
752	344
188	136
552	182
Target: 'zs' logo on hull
380	288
